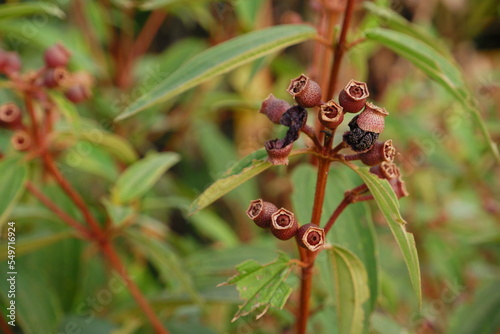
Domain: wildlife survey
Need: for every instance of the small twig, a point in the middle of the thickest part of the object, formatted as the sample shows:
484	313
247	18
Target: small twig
340	208
148	32
309	131
57	210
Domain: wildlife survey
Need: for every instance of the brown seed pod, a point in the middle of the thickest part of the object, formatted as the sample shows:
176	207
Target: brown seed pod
359	140
380	152
10	62
399	187
372	118
311	236
277	154
274	108
283	224
77	93
55	77
353	97
260	212
386	170
21	140
56	56
10	116
305	91
331	114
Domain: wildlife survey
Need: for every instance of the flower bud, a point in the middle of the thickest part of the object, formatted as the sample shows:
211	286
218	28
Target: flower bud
277	154
358	139
372	118
306	92
21	140
353	97
311	236
77	93
380	152
283	224
331	114
10	116
57	56
260	212
10	62
55	77
274	108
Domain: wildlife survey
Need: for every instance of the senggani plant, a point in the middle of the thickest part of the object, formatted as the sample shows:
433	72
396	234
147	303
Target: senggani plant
137	148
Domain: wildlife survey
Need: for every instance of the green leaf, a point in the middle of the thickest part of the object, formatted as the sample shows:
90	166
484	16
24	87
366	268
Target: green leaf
351	286
114	144
214	227
16	10
224	185
68	110
437	67
262	286
221	59
398	23
166	261
138	178
29	243
482	315
13	176
389	206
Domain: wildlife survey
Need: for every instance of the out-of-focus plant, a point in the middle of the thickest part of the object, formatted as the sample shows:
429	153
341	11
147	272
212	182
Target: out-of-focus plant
108	241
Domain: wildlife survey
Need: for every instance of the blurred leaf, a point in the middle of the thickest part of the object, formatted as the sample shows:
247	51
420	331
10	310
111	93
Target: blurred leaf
247	12
78	324
221	59
155	4
88	157
113	143
214	227
138	178
351	287
118	213
389	206
27	243
38	310
398	23
166	261
437	68
68	110
382	324
13	175
219	152
16	10
224	185
482	315
262	285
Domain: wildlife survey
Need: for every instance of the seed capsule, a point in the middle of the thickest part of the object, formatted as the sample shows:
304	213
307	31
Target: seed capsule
380	152
305	91
21	140
283	224
56	56
260	212
10	116
311	236
274	108
331	114
353	97
358	139
277	154
10	62
55	77
372	118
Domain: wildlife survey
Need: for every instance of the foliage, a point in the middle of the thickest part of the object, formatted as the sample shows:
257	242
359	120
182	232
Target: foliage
168	150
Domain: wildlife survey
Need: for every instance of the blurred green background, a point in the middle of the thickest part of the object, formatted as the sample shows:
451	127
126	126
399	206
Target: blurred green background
128	47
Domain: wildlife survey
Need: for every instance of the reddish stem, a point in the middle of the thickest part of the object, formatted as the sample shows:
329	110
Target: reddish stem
340	48
148	32
5	327
340	208
117	264
57	210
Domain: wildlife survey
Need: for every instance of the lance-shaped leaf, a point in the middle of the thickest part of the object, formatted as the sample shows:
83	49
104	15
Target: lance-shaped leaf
351	287
221	59
141	176
389	206
16	10
437	67
13	176
242	171
262	286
